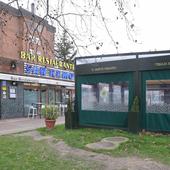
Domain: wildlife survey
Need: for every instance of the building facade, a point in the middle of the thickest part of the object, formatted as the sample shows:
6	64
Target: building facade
29	72
109	87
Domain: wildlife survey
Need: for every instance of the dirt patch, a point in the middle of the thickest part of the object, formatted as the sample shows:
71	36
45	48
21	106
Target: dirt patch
34	134
104	161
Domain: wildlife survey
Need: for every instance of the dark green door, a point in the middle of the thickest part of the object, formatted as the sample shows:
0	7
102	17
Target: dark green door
156	100
104	100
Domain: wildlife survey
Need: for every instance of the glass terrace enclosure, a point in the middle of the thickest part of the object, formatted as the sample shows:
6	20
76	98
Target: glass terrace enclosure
107	85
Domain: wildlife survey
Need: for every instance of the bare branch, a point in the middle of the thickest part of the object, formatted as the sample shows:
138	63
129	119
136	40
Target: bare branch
107	29
85	16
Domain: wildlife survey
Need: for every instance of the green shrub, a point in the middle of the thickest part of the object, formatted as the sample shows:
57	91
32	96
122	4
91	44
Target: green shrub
50	112
135	105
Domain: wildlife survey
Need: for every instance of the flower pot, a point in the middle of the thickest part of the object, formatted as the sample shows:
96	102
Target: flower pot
50	123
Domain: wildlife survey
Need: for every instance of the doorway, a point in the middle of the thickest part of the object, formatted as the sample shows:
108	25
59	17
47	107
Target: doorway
31	96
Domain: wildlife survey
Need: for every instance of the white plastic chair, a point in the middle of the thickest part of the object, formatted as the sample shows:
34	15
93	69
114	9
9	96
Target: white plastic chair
32	111
63	108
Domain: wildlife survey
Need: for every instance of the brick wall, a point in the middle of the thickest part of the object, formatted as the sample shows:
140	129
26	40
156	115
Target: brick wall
16	36
16	32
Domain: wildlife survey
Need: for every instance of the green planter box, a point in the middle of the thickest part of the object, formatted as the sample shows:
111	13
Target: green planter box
70	120
133	122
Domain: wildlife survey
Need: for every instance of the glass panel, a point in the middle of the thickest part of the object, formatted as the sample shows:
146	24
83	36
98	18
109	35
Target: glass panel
58	96
99	59
51	96
153	55
113	97
64	97
158	96
89	97
67	96
30	98
43	96
103	93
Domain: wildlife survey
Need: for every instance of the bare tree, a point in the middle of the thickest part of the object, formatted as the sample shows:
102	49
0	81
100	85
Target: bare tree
79	19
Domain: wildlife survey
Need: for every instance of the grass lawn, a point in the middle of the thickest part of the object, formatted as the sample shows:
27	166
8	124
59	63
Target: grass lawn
143	145
20	153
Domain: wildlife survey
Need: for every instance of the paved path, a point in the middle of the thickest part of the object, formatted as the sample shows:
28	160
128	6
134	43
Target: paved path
9	126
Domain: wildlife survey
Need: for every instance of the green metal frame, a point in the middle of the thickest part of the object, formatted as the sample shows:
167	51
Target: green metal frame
137	70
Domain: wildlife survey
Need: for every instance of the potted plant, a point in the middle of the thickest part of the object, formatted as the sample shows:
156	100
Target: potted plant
133	117
50	113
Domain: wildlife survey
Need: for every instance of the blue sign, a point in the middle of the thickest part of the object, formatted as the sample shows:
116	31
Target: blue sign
3	83
43	71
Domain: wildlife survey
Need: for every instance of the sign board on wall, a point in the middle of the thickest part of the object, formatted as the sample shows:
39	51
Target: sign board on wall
29	79
12	92
4	89
45	61
42	71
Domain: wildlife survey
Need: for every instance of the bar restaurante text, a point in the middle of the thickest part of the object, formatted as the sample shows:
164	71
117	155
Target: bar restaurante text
46	61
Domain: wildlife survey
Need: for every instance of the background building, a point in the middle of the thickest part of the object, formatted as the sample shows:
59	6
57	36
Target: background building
29	73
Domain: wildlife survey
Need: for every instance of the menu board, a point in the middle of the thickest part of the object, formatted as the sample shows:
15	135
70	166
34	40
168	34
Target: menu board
12	92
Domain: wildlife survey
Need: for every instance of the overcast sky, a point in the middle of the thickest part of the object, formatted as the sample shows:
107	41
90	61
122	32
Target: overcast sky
151	19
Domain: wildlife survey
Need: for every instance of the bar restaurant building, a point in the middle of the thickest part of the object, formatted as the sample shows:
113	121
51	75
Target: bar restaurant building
29	72
106	86
38	85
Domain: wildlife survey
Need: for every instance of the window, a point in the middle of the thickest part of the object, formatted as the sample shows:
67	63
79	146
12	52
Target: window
30	97
158	96
43	95
58	96
113	97
51	96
